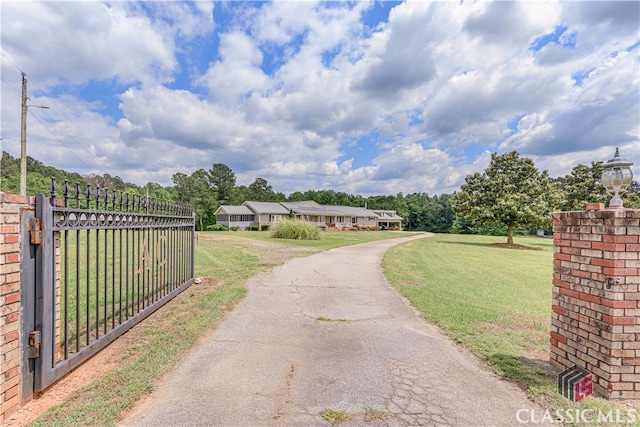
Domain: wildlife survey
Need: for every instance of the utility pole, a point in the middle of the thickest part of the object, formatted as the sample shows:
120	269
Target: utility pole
23	136
23	139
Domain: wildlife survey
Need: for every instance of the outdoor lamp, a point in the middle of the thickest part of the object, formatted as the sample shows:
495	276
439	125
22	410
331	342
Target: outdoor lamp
616	177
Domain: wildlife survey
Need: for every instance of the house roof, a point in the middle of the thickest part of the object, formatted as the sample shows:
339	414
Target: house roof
266	208
388	215
308	207
234	210
307	204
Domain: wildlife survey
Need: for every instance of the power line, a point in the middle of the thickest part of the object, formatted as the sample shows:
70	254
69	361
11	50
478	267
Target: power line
72	123
50	101
10	61
60	141
10	85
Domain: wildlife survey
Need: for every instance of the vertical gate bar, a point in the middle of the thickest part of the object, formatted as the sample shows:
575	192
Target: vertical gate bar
105	281
154	264
126	283
174	258
113	278
187	255
78	284
66	294
179	256
97	280
88	302
183	262
193	246
153	270
138	231
141	267
183	248
147	271
149	265
120	276
169	255
150	296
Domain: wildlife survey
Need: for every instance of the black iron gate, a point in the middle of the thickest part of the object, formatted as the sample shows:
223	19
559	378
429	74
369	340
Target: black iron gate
101	266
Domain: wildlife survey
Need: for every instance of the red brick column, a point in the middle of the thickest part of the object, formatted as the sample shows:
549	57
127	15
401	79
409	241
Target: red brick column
596	298
10	351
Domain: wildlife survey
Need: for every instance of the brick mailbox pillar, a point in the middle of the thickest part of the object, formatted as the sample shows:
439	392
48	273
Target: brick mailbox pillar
596	298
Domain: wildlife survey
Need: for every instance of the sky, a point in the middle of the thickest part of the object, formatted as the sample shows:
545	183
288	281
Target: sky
368	98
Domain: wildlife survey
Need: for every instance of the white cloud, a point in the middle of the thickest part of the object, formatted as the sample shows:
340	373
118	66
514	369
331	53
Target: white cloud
82	41
308	95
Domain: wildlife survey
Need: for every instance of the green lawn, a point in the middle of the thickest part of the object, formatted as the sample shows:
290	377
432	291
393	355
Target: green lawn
492	300
328	240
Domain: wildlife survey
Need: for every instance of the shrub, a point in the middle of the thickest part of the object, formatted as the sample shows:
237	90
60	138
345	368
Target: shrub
252	228
216	227
296	229
265	227
235	228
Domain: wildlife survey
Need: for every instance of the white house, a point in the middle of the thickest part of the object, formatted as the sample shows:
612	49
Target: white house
326	216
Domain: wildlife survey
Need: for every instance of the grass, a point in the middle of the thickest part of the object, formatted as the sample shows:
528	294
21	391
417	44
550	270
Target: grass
494	301
328	240
334	416
371	414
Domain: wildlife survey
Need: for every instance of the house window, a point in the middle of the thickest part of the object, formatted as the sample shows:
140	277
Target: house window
241	218
340	219
354	220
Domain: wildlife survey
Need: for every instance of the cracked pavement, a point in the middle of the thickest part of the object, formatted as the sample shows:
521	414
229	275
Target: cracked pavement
328	332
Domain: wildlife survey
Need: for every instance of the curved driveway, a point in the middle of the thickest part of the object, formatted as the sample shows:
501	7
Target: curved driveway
328	332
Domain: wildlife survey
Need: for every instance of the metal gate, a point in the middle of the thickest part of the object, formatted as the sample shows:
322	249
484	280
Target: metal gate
100	267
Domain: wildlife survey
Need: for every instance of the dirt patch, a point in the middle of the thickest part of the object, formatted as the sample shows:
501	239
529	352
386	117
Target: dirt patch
515	246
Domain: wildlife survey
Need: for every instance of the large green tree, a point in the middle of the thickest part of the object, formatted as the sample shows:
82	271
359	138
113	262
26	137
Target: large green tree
261	191
194	190
222	180
510	192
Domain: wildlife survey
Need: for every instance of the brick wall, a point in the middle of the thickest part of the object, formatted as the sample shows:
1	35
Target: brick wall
10	331
596	298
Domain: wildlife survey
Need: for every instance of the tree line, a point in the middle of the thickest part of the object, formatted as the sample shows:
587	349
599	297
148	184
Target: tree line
510	196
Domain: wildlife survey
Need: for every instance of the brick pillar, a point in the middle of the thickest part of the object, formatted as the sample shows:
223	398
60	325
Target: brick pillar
596	298
11	206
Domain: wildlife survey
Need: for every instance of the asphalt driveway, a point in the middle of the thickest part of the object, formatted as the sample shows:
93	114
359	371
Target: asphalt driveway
328	332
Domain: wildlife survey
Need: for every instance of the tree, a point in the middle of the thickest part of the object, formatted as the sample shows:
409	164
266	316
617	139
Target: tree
261	191
583	186
194	190
510	192
222	180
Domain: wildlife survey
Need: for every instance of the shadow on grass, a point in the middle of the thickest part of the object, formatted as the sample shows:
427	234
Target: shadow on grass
484	245
500	245
523	371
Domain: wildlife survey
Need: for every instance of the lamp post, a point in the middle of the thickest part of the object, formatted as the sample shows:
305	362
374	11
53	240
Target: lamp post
616	177
23	136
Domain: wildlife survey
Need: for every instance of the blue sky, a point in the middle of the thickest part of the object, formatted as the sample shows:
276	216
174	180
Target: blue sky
364	97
